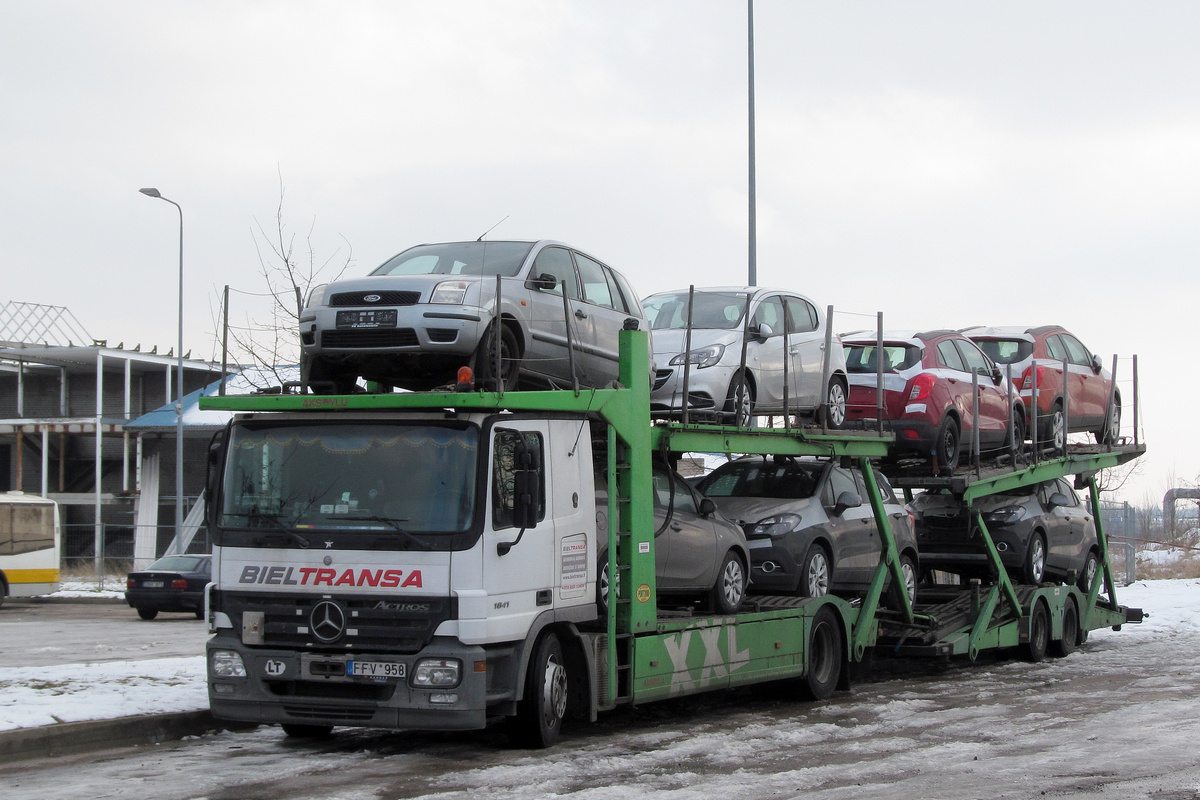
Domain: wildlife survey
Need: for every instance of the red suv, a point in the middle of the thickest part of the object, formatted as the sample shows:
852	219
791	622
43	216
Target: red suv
927	402
1037	355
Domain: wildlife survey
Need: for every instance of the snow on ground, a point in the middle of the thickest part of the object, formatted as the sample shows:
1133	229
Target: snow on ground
114	589
33	696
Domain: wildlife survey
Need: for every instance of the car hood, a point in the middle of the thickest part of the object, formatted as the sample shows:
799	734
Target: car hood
669	342
749	510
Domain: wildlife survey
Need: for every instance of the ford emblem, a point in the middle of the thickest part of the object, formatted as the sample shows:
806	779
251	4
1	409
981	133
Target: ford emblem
372	298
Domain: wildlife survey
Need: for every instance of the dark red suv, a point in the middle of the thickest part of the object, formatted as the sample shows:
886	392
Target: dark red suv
1037	355
927	398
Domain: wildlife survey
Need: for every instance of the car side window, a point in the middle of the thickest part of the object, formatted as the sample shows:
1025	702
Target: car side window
595	285
802	317
974	357
949	356
1068	490
557	262
1055	347
631	299
614	291
1078	353
770	312
839	481
664	483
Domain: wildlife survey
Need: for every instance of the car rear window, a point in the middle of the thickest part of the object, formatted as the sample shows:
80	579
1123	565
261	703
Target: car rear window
1006	351
178	563
755	478
459	258
863	358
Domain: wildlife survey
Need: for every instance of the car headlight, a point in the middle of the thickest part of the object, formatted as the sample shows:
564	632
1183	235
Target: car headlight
776	526
316	296
437	672
1005	516
228	664
702	357
450	292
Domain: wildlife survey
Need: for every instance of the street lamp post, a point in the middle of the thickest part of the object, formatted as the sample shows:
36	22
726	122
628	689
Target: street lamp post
178	379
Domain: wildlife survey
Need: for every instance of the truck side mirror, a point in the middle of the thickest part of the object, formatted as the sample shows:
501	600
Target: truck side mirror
527	486
212	470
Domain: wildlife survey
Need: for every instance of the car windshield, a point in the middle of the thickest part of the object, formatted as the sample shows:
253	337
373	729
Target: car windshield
459	258
178	563
790	480
395	479
864	357
719	310
1006	351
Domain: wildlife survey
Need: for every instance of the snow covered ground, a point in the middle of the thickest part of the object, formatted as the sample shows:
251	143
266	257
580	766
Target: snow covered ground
32	696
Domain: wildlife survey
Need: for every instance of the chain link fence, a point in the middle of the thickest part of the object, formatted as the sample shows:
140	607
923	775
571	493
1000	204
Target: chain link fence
106	555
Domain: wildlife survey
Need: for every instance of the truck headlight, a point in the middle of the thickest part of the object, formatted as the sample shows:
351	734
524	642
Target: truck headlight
437	672
702	357
776	526
228	664
450	292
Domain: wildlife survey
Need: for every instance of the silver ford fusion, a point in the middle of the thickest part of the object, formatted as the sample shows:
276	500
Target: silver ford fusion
434	308
785	355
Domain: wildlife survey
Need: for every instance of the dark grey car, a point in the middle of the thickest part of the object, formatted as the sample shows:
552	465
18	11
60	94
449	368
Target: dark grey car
808	525
1040	531
697	552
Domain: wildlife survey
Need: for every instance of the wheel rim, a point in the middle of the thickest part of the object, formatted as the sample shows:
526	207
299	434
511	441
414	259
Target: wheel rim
743	405
837	405
818	575
733	583
554	691
1114	425
1057	428
910	580
1089	573
603	588
1037	559
949	448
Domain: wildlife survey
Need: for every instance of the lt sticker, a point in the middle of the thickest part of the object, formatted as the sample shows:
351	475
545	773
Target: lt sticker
643	593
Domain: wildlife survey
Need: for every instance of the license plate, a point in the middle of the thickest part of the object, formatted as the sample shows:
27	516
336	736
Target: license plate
152	584
383	318
375	669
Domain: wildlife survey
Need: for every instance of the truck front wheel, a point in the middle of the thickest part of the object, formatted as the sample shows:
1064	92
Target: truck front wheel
539	718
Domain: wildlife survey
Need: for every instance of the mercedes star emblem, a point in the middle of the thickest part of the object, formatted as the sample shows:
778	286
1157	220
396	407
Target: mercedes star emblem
328	621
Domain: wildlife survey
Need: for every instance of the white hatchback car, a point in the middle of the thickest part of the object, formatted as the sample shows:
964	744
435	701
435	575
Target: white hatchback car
785	337
431	309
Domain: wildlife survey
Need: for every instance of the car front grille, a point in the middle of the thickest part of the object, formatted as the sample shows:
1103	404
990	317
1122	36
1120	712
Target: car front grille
370	337
385	299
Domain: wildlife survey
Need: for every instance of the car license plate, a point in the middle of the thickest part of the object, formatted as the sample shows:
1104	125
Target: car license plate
152	584
375	669
383	318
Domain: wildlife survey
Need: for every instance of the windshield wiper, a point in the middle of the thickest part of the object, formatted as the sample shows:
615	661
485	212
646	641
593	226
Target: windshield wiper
394	524
273	520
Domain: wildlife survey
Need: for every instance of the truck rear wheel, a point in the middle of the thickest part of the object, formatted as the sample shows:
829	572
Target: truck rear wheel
1034	649
539	718
1070	633
824	656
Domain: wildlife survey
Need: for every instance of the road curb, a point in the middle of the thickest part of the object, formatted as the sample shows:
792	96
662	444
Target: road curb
77	737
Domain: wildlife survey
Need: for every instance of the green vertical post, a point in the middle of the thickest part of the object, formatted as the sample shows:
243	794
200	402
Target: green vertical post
1102	542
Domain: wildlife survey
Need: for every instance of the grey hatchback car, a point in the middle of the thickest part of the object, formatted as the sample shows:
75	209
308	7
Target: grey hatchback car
423	314
808	528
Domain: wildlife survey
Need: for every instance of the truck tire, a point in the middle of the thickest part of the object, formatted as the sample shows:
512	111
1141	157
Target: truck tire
824	656
296	730
1034	649
540	715
1070	633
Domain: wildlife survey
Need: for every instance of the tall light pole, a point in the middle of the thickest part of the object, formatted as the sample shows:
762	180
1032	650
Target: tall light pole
753	255
178	379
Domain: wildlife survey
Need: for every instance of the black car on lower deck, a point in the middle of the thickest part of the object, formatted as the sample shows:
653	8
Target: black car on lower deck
173	583
1041	531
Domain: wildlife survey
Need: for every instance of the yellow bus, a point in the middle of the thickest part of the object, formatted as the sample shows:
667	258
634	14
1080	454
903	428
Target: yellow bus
29	545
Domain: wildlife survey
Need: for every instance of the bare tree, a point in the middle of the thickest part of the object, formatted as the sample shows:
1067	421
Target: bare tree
269	337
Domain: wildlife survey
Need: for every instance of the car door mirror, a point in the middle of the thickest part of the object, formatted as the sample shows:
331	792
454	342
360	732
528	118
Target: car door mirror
997	376
707	507
762	332
1097	364
846	500
544	282
1058	499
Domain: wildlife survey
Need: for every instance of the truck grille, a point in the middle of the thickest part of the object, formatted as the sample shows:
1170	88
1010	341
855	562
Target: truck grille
370	337
377	624
385	299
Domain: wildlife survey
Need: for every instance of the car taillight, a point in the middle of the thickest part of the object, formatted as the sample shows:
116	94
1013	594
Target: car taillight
922	385
1028	378
130	583
179	584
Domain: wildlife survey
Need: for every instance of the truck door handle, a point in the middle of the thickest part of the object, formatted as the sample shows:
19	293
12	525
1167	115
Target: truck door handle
579	314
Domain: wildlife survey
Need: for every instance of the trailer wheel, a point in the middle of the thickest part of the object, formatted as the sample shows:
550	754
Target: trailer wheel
1039	633
297	730
1070	633
824	656
540	716
815	572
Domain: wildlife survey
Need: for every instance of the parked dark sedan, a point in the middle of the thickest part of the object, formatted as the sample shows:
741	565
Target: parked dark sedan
808	525
1040	531
173	583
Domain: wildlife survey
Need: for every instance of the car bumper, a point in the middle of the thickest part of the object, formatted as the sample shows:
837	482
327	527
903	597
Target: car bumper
773	568
706	388
432	328
165	599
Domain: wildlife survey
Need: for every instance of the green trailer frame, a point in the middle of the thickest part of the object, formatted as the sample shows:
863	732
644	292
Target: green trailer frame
645	653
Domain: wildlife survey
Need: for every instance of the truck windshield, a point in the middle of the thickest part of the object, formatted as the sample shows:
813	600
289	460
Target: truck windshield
398	484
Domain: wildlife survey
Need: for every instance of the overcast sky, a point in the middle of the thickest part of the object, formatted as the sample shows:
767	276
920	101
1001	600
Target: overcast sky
946	163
